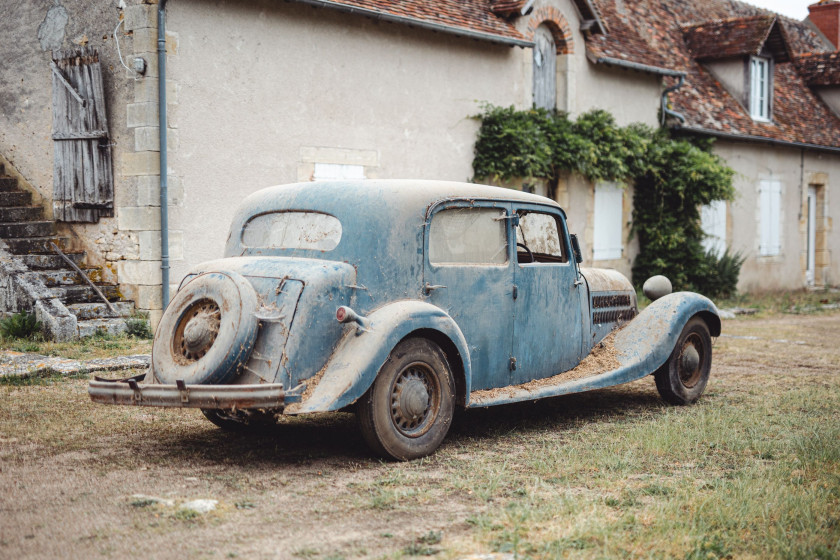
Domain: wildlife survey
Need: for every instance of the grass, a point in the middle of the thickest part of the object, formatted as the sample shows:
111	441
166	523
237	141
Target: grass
751	471
99	346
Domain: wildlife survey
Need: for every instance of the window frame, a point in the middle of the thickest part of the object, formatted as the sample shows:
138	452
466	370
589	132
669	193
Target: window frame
562	233
760	91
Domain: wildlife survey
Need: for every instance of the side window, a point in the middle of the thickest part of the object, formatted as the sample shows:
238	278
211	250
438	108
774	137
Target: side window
540	235
468	236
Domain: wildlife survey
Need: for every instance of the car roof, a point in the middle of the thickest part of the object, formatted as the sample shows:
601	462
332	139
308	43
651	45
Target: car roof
402	193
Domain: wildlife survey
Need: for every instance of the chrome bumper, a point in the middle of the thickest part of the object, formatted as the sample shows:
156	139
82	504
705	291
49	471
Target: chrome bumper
234	397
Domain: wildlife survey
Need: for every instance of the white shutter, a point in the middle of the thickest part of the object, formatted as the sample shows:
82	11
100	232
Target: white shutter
770	201
608	222
713	222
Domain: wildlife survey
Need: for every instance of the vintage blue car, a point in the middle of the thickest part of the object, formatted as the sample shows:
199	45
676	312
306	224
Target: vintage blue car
401	300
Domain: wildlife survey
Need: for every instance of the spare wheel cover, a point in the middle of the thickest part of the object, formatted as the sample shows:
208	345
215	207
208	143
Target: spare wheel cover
207	331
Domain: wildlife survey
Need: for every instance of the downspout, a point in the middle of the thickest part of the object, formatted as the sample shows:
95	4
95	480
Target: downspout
164	194
666	112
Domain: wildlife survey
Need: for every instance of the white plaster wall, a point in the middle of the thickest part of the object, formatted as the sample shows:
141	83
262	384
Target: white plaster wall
752	163
258	81
731	73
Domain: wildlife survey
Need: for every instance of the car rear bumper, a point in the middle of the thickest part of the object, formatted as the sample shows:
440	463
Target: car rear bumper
228	397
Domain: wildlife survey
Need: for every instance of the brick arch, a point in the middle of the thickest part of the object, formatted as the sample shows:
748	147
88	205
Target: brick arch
553	19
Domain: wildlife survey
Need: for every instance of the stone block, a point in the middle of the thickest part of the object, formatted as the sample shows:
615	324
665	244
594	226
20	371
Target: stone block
141	16
146	91
150	245
146	138
146	273
138	218
148	191
146	41
141	114
154	318
140	163
148	297
313	154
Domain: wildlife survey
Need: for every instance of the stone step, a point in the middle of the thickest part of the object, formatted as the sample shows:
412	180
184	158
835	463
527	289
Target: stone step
66	276
27	229
21	214
84	294
51	262
8	184
17	198
36	245
91	327
85	311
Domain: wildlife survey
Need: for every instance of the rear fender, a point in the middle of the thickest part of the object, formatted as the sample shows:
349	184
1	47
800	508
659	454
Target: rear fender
360	354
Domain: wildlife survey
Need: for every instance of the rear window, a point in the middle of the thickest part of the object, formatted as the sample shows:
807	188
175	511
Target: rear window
292	230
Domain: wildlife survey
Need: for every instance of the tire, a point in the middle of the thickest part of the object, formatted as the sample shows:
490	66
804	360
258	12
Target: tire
394	419
207	331
682	379
242	421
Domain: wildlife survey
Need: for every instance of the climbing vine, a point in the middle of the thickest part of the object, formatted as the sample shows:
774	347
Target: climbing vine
673	177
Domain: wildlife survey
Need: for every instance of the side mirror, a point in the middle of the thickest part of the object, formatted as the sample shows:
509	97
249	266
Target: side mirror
576	249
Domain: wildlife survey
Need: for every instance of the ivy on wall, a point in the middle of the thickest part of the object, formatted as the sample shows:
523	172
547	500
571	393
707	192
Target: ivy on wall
673	177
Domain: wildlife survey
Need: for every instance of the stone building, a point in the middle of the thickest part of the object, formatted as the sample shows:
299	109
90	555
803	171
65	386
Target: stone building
260	93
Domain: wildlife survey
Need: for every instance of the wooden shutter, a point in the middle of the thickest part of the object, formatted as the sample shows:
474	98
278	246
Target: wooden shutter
83	184
770	195
545	69
713	222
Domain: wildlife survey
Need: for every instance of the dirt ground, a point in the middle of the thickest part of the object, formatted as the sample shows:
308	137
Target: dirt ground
71	471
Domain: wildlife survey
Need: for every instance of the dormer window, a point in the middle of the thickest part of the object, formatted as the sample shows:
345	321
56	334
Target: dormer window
760	88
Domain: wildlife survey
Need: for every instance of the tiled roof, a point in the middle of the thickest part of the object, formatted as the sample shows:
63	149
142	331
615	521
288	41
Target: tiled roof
822	69
652	33
736	37
474	17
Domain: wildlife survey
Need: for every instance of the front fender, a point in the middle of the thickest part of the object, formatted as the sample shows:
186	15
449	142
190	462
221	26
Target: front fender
648	340
359	355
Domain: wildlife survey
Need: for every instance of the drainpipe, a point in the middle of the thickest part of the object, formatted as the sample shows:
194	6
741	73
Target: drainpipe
666	112
164	191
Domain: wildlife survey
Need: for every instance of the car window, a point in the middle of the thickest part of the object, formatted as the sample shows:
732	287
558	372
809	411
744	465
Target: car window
540	234
472	235
292	230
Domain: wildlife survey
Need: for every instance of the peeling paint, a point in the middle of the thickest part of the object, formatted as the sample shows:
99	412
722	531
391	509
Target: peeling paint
52	29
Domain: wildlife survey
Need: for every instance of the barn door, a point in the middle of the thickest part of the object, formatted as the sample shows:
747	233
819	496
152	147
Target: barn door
83	185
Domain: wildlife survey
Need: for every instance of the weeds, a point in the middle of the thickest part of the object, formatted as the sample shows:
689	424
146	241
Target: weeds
20	325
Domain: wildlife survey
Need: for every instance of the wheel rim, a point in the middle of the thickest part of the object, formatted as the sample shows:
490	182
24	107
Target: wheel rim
690	363
415	400
196	331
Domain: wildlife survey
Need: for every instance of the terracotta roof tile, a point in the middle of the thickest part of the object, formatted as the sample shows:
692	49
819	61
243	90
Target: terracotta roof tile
819	69
652	33
729	37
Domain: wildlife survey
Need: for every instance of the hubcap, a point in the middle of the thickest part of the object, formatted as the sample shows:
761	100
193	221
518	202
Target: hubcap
690	361
415	399
197	331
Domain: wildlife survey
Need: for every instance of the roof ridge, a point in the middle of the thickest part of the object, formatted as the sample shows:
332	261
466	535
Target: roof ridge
727	20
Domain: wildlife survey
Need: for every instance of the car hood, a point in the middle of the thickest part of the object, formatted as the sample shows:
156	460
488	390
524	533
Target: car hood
606	280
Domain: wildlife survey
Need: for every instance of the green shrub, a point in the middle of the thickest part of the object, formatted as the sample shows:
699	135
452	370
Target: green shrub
717	277
20	325
138	327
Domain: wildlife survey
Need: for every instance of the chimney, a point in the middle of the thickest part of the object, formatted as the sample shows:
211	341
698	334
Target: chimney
826	16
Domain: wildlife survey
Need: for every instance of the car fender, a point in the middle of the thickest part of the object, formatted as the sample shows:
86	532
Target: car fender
647	341
363	350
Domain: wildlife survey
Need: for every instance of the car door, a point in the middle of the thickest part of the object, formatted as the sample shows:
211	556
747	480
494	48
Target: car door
547	331
468	272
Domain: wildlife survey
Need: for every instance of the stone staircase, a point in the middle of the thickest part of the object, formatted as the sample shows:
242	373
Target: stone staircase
34	277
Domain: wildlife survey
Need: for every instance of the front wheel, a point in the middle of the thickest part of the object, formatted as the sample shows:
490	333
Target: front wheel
408	410
682	379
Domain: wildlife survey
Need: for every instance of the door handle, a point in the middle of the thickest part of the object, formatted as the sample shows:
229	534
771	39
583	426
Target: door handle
429	288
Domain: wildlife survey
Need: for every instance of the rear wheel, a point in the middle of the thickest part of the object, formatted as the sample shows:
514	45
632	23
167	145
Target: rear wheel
408	410
682	379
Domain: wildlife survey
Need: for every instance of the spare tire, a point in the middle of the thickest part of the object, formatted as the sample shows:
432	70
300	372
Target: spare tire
207	332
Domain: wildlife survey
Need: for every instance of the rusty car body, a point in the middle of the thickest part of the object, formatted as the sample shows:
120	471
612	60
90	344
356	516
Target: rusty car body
402	300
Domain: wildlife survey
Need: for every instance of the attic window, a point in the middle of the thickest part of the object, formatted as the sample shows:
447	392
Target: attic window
760	88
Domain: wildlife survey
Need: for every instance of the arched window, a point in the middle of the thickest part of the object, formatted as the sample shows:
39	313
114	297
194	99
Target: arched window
545	69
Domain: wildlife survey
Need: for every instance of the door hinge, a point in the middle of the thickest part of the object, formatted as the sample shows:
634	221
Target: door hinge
515	291
512	364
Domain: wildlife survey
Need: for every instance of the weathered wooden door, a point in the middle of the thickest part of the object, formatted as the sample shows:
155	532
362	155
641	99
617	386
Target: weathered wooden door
83	185
545	69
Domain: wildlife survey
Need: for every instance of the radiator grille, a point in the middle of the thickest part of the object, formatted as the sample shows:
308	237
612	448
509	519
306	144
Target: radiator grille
611	301
613	316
